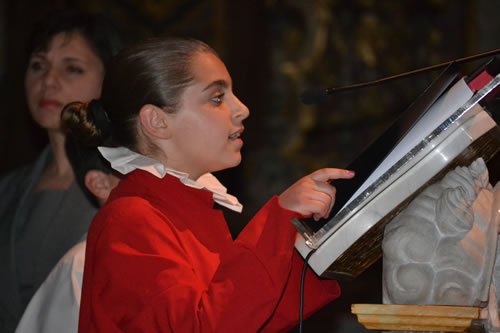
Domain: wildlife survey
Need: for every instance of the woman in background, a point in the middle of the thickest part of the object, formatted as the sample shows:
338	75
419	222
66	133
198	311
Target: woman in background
43	212
55	307
160	257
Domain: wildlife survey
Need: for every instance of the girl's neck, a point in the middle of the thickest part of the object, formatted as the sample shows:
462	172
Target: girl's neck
160	151
173	166
157	151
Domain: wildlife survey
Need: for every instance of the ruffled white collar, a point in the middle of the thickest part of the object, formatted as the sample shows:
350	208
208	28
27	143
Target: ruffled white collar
125	161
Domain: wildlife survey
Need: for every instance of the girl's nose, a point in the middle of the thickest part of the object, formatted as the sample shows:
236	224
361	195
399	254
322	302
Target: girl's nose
240	110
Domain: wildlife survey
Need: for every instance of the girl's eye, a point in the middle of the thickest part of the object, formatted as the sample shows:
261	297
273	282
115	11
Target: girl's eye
218	99
74	70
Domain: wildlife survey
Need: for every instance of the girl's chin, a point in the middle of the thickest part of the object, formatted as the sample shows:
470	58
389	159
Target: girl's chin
230	165
237	161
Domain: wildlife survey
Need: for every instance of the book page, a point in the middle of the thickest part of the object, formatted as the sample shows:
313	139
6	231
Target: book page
444	107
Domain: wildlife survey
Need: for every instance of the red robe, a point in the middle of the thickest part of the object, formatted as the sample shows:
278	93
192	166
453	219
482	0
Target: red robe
160	258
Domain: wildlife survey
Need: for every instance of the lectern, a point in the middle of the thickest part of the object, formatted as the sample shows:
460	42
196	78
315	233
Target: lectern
450	124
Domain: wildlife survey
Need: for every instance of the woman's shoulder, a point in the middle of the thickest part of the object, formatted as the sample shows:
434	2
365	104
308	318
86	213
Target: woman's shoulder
22	174
14	185
16	175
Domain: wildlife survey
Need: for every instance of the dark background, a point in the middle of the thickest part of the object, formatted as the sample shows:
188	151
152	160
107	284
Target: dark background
274	51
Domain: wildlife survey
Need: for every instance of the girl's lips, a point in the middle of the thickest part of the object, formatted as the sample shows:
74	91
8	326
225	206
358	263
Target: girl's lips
237	134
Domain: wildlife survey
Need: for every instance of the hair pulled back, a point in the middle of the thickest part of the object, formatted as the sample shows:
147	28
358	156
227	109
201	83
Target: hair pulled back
81	141
155	71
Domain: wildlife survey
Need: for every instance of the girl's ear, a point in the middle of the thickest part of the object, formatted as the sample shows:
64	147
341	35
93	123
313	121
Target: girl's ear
154	121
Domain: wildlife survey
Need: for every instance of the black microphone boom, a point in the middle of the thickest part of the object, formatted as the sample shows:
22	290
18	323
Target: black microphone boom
319	95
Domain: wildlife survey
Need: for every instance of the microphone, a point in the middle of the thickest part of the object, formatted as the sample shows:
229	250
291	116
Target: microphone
318	96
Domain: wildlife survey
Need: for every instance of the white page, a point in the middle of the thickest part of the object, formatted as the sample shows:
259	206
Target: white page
444	107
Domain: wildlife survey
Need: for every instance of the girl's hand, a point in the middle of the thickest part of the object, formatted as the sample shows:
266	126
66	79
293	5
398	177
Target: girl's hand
313	194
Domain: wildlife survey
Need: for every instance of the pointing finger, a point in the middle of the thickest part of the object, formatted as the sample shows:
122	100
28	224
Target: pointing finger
327	174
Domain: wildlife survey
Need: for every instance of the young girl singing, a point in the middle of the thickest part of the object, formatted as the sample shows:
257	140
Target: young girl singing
160	257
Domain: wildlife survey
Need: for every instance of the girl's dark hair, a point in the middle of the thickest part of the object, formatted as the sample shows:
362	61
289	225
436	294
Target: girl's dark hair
81	145
102	35
84	159
155	72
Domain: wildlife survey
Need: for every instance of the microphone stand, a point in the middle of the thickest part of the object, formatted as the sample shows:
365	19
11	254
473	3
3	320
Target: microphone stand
315	97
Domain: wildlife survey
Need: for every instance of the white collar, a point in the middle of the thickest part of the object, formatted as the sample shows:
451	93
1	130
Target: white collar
125	161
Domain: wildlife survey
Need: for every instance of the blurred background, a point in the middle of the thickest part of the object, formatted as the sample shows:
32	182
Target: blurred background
275	50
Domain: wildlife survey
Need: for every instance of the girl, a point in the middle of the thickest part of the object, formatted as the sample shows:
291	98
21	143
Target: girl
160	257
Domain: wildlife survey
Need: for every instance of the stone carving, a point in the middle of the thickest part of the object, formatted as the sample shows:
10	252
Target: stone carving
441	249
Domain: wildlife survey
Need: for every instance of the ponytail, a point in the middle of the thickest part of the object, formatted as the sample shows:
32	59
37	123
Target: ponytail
86	123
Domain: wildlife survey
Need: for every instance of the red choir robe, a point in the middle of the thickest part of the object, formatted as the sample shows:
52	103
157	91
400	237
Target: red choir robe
160	258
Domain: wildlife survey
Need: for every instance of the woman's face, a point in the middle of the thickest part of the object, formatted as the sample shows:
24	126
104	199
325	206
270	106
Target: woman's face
207	127
67	71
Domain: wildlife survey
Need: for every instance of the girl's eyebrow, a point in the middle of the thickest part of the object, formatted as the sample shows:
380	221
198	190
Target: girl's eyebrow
223	84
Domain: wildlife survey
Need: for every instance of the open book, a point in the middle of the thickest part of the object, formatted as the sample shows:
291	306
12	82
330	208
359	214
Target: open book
445	127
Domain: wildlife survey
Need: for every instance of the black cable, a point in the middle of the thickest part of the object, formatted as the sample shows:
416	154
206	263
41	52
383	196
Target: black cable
301	309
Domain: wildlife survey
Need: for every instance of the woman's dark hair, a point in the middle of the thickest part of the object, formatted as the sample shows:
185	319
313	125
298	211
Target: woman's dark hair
155	72
102	35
